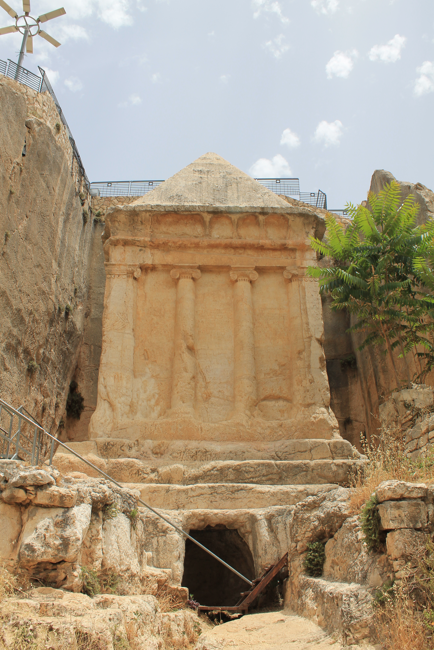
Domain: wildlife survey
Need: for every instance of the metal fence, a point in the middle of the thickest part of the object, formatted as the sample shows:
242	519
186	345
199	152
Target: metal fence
47	87
22	437
286	186
123	188
23	76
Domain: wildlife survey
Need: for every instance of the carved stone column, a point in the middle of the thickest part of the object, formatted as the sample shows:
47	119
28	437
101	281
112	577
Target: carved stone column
116	372
184	360
306	334
244	341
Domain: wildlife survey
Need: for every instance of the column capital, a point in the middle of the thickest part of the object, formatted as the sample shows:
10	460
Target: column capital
291	274
122	270
242	274
185	271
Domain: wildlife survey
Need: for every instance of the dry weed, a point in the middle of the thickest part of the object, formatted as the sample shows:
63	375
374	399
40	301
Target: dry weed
169	601
386	461
401	624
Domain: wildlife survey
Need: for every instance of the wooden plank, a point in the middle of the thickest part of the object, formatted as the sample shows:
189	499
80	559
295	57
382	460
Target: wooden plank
264	582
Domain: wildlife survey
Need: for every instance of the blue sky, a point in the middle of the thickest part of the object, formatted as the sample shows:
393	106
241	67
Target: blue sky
324	90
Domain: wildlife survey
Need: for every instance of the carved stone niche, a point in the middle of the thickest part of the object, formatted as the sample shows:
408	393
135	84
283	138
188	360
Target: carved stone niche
211	333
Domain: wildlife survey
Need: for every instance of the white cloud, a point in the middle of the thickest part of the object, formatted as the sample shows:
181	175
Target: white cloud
329	133
269	6
224	78
341	64
74	32
140	6
425	81
73	84
325	6
53	75
116	13
133	100
290	138
156	78
277	47
278	167
390	52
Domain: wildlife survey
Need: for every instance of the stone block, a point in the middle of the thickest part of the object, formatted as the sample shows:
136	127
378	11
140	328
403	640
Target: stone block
31	476
55	497
14	495
404	543
403	514
397	490
10	528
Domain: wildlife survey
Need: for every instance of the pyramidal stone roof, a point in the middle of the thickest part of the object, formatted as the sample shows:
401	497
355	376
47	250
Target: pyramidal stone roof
212	181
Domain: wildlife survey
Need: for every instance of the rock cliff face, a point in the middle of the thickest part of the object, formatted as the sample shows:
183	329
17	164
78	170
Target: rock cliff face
46	235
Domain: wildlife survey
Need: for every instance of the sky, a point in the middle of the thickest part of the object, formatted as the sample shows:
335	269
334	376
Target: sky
323	90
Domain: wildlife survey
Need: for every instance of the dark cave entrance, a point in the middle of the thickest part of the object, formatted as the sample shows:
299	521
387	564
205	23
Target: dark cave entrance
208	581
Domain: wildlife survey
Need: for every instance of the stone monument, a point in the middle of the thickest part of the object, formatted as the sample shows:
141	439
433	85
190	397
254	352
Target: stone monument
212	330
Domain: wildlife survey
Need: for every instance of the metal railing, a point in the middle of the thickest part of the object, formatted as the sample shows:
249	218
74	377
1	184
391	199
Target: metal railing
22	437
341	213
11	436
123	188
286	186
20	74
47	87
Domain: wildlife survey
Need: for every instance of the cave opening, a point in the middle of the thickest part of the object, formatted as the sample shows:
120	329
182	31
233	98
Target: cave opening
208	581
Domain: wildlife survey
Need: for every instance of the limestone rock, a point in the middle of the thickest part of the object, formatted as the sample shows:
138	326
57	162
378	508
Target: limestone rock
396	490
10	529
54	534
55	497
31	476
41	221
403	514
14	495
405	543
348	560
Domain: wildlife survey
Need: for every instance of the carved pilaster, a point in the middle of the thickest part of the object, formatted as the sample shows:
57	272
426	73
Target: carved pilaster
306	332
184	360
245	391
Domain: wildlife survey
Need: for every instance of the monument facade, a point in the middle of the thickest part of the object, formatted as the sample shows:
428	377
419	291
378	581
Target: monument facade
212	330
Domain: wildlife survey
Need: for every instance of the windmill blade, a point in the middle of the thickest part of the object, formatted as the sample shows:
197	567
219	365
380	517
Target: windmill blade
26	6
51	15
9	9
49	38
29	44
8	30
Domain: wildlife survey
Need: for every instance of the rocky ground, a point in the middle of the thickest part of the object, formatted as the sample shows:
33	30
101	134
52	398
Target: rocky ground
270	631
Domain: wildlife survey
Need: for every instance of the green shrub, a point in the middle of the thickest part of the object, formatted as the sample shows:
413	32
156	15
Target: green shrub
32	367
75	402
110	511
384	593
91	583
315	558
132	516
371	524
85	215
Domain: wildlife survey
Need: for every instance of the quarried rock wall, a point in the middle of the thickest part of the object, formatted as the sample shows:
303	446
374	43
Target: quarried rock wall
46	236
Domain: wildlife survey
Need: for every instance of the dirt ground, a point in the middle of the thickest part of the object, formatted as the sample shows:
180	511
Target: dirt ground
270	631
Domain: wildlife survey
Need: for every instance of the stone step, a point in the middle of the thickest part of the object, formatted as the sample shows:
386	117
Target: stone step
224	496
258	472
186	451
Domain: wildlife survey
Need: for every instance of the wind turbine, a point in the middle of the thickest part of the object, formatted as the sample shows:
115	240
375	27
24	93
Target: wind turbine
29	27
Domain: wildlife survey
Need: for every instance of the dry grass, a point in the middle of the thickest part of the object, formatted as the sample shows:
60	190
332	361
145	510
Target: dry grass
399	626
169	601
386	461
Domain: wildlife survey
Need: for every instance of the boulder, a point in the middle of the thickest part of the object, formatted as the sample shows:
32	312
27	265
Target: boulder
404	543
397	490
403	514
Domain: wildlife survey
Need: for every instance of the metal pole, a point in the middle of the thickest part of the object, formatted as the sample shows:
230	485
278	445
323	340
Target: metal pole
22	51
71	451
